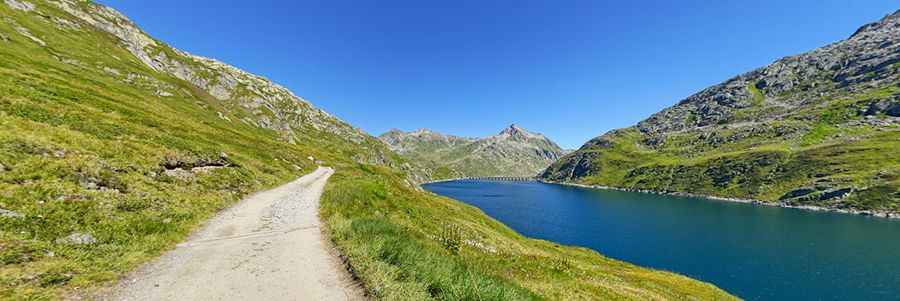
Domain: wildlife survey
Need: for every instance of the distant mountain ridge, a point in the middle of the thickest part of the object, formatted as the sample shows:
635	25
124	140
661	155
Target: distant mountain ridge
403	142
817	129
514	151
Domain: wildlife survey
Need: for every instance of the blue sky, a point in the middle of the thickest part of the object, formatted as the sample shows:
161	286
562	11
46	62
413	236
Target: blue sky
569	69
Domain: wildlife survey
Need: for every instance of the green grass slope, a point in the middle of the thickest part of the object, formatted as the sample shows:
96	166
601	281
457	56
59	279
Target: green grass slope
107	162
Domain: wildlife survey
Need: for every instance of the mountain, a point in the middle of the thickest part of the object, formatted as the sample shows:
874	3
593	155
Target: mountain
421	141
114	147
512	152
817	129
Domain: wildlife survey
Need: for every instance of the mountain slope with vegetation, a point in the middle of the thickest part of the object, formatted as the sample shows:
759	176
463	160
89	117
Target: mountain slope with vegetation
820	129
115	146
512	152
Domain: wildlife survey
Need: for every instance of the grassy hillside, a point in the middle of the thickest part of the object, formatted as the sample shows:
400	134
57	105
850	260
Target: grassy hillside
108	159
818	129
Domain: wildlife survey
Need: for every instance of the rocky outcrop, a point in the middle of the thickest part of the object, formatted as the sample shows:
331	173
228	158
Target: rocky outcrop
77	239
20	5
815	194
514	151
23	32
10	214
572	166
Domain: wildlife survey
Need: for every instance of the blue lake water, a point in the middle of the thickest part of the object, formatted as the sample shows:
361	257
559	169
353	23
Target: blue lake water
755	252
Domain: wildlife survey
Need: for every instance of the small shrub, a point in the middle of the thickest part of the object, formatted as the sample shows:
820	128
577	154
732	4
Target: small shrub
134	204
561	264
15	252
818	134
451	238
54	277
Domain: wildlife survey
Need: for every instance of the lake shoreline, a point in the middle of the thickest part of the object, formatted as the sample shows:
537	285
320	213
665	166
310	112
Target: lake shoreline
879	214
443	181
871	213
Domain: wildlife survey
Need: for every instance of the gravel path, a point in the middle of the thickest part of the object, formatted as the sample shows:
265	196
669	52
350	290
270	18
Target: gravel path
267	247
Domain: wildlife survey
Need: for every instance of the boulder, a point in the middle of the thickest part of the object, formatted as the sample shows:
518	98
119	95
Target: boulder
797	193
836	193
893	110
10	214
77	238
179	173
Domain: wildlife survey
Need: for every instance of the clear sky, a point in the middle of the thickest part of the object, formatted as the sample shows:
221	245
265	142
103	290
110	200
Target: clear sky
569	69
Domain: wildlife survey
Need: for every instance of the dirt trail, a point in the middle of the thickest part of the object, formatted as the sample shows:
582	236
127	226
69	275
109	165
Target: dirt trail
267	247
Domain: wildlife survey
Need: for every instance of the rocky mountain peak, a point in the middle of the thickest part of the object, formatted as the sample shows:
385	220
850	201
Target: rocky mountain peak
514	132
423	131
393	131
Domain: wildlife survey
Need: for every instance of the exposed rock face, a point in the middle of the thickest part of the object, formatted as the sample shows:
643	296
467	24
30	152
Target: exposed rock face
814	115
512	152
20	5
24	32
